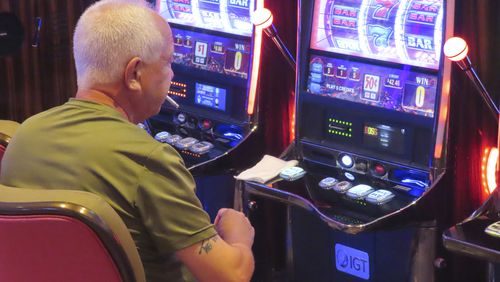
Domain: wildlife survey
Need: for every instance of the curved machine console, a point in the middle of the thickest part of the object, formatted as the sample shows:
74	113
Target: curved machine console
216	65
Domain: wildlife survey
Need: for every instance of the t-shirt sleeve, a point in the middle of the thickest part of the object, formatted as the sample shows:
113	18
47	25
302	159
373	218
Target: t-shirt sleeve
168	205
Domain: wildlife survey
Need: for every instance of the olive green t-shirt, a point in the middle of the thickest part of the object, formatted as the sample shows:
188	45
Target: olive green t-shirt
83	145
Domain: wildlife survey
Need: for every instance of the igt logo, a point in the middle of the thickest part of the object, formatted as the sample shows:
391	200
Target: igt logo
352	261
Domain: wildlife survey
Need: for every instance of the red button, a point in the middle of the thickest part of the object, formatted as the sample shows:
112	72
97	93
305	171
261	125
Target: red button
206	124
379	169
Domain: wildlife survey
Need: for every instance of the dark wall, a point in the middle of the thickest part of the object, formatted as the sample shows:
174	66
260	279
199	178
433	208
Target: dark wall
472	127
278	78
33	79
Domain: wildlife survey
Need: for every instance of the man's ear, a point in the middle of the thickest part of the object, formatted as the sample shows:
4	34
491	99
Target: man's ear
133	74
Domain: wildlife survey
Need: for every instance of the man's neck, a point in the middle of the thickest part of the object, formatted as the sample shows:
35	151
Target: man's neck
102	97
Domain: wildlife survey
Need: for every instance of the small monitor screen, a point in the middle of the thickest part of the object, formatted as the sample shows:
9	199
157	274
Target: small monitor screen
384	137
230	16
406	32
212	53
210	96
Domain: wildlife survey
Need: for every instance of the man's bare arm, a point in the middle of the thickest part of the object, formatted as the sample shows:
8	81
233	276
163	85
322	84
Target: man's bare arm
226	257
215	260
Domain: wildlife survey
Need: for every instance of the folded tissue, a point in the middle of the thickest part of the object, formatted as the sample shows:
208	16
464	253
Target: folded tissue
266	169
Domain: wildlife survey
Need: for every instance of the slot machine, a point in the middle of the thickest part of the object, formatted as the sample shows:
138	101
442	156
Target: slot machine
216	71
371	127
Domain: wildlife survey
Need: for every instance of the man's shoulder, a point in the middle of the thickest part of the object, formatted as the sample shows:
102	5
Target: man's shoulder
96	127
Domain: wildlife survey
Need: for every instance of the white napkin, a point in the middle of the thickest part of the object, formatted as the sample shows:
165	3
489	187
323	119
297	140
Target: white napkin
266	169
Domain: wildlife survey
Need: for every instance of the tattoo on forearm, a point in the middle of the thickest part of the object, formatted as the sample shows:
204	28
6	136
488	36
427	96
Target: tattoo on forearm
206	245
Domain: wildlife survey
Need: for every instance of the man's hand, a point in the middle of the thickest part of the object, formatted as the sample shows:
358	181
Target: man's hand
234	227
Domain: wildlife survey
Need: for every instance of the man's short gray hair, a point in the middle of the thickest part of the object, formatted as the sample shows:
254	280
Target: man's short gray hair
110	33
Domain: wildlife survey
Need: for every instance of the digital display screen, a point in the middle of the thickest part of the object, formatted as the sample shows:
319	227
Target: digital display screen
210	96
230	16
407	32
384	137
212	53
399	90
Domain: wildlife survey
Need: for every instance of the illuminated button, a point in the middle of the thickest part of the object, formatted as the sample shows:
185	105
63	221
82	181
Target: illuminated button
188	42
380	197
205	124
201	147
172	139
359	191
181	118
315	88
349	176
316	77
379	170
316	68
346	161
354	74
162	136
342	71
178	39
342	186
329	70
185	143
292	173
327	183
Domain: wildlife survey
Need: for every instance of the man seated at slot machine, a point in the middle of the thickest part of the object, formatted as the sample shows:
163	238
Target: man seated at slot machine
123	52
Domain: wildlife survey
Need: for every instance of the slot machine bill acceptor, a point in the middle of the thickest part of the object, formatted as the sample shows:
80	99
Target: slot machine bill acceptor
371	128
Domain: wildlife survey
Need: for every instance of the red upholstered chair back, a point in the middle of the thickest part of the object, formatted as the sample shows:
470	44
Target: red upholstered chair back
61	235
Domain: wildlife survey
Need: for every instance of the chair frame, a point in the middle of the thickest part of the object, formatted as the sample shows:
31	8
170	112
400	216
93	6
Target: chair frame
4	139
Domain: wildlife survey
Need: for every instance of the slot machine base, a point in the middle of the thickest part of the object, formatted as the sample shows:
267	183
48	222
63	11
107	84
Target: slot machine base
305	248
323	254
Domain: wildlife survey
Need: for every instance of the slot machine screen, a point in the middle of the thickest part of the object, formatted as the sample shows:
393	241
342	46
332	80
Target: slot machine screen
213	45
212	53
380	53
233	18
405	32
